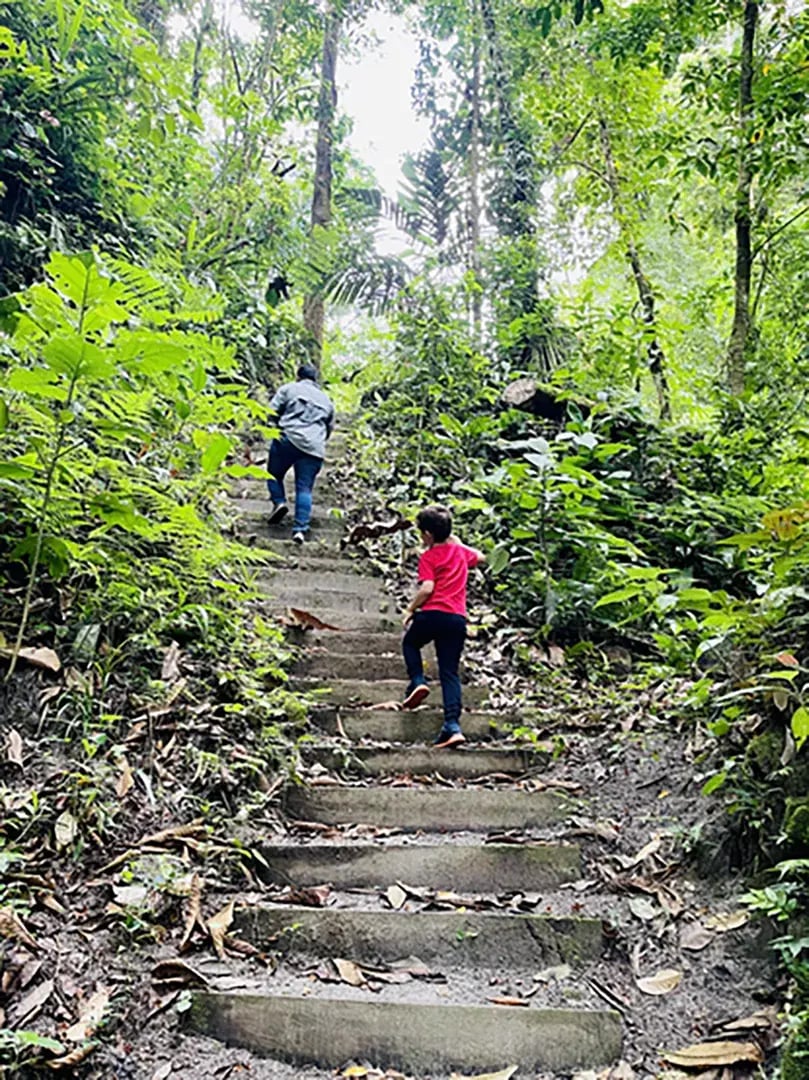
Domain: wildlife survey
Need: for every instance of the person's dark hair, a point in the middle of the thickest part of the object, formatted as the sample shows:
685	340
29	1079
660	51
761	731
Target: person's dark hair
307	371
436	520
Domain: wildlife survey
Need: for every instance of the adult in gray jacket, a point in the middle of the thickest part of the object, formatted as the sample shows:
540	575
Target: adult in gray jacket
306	419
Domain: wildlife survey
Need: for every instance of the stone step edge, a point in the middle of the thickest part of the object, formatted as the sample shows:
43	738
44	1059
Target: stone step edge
413	1037
453	938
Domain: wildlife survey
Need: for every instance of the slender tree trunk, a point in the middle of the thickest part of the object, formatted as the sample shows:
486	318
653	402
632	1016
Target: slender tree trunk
474	183
654	350
739	343
313	304
206	25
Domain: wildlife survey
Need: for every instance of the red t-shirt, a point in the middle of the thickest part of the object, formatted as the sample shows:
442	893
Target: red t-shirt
447	565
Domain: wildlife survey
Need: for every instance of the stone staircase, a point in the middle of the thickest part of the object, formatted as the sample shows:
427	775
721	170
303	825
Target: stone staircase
446	907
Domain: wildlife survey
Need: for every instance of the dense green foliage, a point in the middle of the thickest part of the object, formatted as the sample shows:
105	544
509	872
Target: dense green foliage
613	203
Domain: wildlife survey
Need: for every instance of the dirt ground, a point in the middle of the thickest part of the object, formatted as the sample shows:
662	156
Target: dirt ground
656	870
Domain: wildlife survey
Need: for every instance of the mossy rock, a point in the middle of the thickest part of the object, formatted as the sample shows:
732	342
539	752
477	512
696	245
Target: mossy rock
796	826
795	1055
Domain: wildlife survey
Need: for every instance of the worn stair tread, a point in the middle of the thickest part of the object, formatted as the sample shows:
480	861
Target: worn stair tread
414	1037
323	581
340	618
418	726
428	808
350	691
458	866
453	938
377	642
325	665
465	761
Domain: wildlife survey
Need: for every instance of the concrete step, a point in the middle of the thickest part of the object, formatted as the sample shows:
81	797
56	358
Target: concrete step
467	761
430	809
420	1039
252	509
343	620
359	692
450	938
326	665
308	558
356	642
419	726
326	581
460	867
315	599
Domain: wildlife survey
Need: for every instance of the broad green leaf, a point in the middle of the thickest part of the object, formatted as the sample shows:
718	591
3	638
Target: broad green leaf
498	560
3	414
714	784
254	471
38	382
70	274
629	592
799	725
199	377
215	453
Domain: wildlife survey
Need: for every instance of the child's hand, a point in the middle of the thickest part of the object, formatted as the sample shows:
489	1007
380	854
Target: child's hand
407	619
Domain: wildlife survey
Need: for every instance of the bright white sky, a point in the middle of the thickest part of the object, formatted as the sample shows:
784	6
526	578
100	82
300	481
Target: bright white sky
375	92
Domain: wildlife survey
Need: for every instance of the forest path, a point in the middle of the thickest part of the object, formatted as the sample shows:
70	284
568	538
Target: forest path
471	910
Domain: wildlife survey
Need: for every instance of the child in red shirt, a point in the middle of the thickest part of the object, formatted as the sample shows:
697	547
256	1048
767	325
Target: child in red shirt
438	613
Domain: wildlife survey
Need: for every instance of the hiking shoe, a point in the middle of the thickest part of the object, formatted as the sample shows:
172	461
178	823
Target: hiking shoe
415	696
298	537
278	513
448	740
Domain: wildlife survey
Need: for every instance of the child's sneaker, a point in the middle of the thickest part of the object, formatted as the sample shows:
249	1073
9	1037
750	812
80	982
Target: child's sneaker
448	740
278	512
298	537
415	696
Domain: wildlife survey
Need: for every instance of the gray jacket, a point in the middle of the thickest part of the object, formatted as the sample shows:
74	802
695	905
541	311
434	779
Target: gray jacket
305	416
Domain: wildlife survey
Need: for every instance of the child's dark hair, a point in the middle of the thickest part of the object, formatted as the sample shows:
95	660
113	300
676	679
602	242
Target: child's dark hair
436	520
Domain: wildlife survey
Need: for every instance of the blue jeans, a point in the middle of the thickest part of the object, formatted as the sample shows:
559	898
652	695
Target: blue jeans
284	456
448	631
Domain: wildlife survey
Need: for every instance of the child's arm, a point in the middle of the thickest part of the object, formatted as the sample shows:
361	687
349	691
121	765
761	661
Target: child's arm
480	558
423	594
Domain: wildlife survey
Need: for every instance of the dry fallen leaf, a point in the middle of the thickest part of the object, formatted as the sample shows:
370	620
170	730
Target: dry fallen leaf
42	658
65	829
354	1070
174	974
11	926
724	921
709	1055
521	1002
27	1009
194	915
313	896
662	982
311	622
90	1016
171	663
643	909
396	897
218	926
125	781
75	1057
350	972
14	747
503	1074
695	937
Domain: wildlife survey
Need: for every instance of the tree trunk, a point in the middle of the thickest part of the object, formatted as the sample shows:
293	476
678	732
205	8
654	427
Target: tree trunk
654	350
206	25
739	343
474	183
313	305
